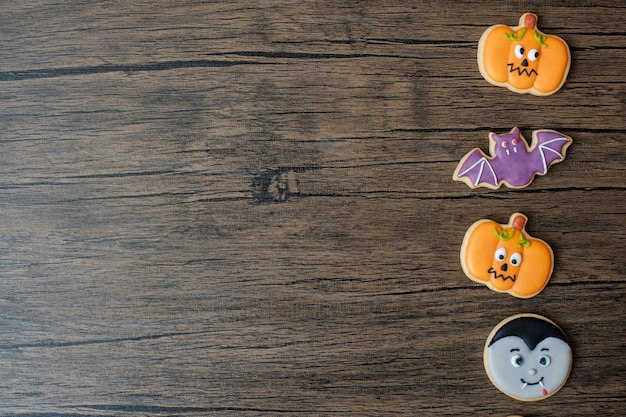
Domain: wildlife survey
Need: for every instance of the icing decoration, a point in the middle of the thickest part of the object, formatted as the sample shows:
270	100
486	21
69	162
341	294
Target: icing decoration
505	258
511	161
523	59
527	357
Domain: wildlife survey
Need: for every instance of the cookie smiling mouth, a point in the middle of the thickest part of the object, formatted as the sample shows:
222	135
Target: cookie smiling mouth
521	70
540	382
495	275
525	384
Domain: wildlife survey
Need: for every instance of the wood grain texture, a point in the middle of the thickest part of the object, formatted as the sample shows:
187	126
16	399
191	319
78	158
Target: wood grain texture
247	208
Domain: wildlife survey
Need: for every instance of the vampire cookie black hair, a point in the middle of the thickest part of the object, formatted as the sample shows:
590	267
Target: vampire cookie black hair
530	329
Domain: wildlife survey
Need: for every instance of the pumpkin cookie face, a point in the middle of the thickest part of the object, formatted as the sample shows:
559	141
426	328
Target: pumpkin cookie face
505	258
527	357
523	59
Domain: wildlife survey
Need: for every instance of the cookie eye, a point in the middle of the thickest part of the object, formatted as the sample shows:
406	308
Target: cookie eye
533	55
544	360
519	51
505	144
515	141
517	360
500	254
516	259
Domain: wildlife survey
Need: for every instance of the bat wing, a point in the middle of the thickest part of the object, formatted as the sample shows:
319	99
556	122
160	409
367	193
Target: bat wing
475	169
550	147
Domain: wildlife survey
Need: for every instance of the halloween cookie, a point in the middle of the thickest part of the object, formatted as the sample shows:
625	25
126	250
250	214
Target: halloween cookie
505	258
511	161
527	357
523	59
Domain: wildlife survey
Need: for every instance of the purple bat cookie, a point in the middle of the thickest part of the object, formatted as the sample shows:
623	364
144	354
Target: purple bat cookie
512	161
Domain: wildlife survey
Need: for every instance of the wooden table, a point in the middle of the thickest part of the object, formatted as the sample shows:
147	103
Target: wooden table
247	208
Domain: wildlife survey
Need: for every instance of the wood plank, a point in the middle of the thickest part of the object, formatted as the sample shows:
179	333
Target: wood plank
248	209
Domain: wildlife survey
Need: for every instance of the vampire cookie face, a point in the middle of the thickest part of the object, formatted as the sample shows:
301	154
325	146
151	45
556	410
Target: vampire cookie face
527	357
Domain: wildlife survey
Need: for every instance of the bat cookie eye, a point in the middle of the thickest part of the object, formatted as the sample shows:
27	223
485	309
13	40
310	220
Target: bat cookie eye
500	254
544	361
505	144
515	141
519	51
516	259
517	360
533	55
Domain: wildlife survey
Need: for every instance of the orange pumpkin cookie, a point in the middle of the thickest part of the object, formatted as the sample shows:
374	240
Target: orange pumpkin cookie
523	59
505	258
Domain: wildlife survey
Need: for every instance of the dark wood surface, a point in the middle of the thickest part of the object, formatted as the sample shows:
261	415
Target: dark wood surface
247	208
